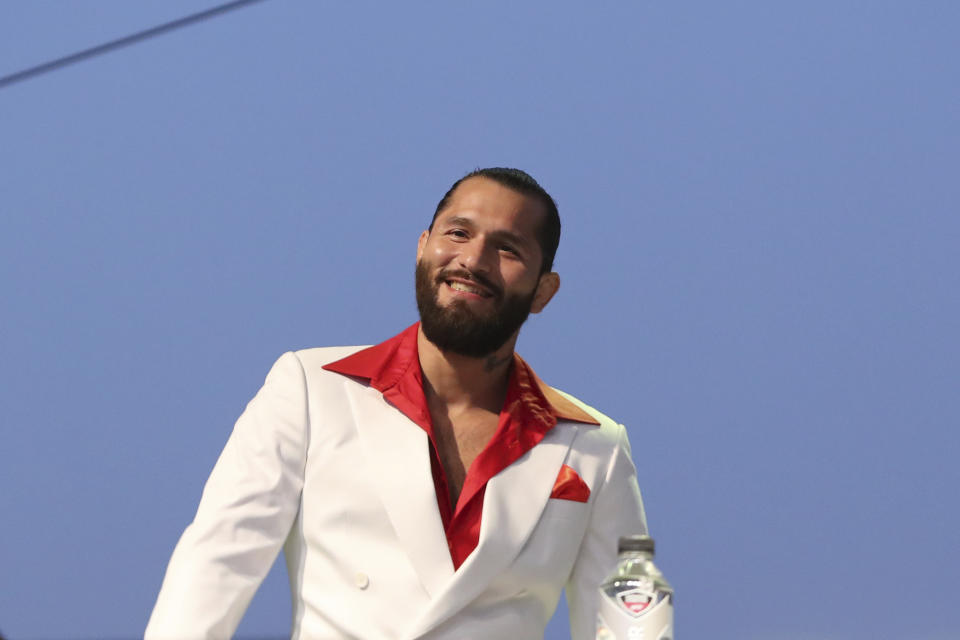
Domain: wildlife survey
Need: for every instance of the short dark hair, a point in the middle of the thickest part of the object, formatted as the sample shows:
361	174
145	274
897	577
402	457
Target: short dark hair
521	182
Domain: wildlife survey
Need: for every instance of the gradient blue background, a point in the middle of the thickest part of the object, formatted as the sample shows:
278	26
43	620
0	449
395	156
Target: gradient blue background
759	261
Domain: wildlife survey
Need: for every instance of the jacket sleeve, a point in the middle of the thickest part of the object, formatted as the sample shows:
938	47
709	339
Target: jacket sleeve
247	508
618	511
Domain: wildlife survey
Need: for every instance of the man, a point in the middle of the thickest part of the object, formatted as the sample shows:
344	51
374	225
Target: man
430	486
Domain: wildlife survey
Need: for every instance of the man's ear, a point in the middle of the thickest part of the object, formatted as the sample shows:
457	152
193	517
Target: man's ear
421	243
546	288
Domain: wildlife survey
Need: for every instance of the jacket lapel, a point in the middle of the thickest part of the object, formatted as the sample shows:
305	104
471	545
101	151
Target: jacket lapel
512	505
398	449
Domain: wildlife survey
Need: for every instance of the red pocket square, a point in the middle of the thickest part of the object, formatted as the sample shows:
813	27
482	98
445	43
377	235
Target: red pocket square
570	486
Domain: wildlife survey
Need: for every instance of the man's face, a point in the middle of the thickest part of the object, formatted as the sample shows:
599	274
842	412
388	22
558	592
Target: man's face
478	269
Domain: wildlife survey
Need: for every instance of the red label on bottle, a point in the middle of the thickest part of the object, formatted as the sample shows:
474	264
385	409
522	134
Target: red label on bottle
635	601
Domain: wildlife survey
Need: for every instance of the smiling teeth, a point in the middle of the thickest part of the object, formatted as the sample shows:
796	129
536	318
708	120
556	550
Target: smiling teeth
459	286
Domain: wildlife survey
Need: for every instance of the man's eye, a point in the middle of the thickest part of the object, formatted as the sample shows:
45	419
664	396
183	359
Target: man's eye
508	248
459	233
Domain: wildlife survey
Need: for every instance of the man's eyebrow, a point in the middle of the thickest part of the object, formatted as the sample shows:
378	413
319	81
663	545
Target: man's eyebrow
460	221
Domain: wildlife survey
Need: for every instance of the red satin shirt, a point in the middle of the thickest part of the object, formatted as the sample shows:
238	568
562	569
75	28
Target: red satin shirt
529	411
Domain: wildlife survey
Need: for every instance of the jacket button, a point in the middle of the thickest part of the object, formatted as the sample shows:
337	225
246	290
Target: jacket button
361	580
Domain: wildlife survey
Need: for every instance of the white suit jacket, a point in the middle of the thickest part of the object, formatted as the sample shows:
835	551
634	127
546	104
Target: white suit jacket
320	464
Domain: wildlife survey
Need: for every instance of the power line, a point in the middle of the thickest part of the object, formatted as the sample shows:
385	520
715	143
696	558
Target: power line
53	65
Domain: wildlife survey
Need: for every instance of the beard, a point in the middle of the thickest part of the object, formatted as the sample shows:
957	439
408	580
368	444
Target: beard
459	329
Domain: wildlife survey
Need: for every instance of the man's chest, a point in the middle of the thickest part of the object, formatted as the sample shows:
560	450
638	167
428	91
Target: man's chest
459	438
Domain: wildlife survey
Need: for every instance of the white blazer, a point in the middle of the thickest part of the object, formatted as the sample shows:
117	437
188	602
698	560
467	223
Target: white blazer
321	464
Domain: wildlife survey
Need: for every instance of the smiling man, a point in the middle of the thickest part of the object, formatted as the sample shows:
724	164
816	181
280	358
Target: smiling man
430	486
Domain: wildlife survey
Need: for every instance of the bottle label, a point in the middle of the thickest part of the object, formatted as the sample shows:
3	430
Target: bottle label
637	616
635	601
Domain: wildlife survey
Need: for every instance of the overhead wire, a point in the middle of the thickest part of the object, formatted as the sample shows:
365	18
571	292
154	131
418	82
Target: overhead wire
125	41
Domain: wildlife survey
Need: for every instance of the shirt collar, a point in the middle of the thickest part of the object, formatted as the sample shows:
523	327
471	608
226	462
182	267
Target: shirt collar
386	363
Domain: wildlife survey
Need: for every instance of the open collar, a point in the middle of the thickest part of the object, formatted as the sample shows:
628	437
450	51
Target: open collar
385	366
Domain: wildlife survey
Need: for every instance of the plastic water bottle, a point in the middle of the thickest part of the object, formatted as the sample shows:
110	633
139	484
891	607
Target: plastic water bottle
636	601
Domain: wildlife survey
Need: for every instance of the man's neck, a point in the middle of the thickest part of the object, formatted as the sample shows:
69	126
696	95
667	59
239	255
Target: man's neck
464	382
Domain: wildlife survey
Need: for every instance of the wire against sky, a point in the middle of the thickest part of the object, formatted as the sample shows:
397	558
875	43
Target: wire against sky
122	42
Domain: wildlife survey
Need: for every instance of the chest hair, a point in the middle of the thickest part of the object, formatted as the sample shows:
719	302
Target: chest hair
460	437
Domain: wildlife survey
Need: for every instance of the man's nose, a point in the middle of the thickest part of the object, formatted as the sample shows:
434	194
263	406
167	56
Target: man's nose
475	256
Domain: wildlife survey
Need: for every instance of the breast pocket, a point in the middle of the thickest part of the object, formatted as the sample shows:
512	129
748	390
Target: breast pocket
552	548
560	509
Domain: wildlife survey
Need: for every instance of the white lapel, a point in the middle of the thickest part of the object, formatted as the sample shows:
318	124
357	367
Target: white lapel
398	449
512	505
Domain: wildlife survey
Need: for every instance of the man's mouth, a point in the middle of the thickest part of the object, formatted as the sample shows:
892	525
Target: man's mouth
468	287
464	282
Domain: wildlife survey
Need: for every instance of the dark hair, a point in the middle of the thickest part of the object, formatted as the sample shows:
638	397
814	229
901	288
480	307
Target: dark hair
521	182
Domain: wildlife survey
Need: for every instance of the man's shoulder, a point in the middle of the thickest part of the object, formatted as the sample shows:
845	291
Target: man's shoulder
315	358
608	427
594	444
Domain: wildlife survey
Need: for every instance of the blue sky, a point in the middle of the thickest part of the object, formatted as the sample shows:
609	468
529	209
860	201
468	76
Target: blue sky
759	276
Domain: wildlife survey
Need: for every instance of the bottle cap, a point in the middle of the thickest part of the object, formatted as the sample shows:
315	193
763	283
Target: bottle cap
635	543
